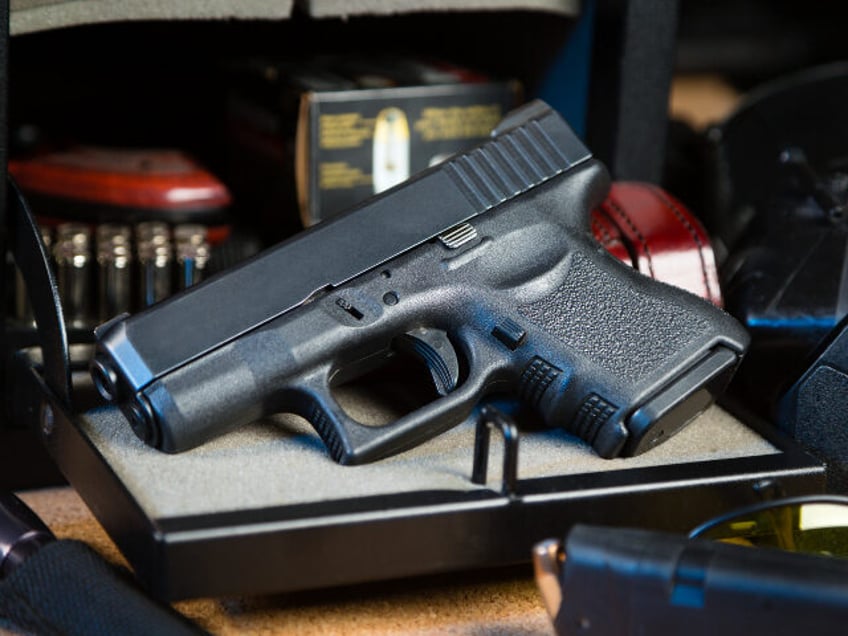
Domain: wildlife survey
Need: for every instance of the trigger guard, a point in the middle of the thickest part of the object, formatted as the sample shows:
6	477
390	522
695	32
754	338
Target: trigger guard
434	349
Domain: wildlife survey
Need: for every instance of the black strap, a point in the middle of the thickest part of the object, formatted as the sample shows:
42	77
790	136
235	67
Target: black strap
31	258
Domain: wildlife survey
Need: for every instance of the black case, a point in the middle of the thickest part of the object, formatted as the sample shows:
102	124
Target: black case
371	538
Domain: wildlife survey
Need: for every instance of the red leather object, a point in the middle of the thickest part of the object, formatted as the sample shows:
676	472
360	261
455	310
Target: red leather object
144	179
97	184
646	227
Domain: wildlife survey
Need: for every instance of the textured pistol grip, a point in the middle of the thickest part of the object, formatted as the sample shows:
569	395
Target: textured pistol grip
613	340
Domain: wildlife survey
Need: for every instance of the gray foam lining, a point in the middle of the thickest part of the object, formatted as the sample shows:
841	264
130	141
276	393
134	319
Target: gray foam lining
281	461
344	8
27	16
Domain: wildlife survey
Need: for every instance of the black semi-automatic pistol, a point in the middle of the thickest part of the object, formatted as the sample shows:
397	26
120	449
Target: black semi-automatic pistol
483	268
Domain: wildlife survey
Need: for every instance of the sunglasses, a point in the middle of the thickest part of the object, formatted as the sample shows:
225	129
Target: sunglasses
811	524
606	580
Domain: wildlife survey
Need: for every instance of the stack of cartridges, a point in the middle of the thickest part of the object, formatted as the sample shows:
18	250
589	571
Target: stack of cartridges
125	227
112	268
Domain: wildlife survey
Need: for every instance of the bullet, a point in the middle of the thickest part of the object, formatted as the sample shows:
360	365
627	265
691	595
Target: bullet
72	253
114	262
192	250
155	258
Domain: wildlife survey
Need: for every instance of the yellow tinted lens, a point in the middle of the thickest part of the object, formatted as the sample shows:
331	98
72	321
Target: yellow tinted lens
817	527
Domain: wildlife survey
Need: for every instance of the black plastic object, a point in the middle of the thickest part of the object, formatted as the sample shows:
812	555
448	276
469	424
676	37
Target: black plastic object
64	587
620	581
513	281
67	588
814	410
22	533
779	217
786	112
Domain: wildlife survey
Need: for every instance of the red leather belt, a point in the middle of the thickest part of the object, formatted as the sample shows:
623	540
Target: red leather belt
646	227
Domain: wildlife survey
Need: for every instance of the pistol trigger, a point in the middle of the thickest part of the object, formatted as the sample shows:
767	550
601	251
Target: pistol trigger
434	349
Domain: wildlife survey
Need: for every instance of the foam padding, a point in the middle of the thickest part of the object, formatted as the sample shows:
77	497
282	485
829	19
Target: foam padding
27	16
281	461
344	8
